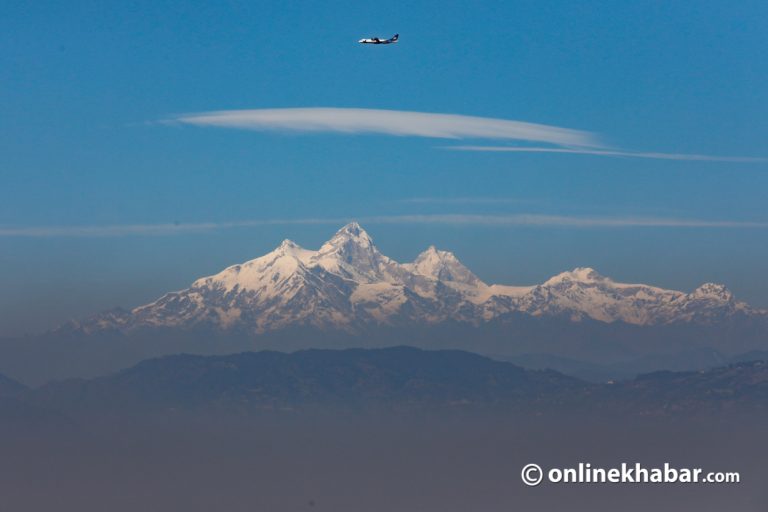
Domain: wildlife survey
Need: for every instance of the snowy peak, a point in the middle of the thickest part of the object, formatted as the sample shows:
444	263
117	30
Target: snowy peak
288	246
286	260
709	304
352	254
443	266
578	275
288	251
348	237
712	291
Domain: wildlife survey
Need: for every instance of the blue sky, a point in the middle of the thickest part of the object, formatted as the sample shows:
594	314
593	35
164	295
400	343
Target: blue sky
87	90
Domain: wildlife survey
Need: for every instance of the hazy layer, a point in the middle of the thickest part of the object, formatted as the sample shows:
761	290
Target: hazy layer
374	464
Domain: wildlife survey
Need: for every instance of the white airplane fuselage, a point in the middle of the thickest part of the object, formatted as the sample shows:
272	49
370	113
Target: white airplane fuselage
376	40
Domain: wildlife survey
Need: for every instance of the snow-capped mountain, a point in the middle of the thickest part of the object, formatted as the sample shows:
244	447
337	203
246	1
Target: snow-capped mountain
348	284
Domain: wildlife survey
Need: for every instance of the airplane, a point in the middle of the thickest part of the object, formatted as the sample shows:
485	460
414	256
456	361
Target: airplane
376	40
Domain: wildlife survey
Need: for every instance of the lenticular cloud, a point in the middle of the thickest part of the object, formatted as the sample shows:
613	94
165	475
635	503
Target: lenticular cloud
389	122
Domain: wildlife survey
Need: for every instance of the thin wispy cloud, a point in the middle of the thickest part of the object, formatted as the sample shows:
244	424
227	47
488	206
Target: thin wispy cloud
559	221
614	153
510	220
388	122
151	229
431	125
465	200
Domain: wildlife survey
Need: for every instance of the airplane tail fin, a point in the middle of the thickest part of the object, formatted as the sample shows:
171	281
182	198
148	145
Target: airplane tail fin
395	37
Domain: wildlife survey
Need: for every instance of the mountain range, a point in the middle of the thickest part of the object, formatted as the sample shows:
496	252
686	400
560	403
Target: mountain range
397	379
349	286
348	294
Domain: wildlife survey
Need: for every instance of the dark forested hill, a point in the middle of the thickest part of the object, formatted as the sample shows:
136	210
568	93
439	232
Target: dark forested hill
394	379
